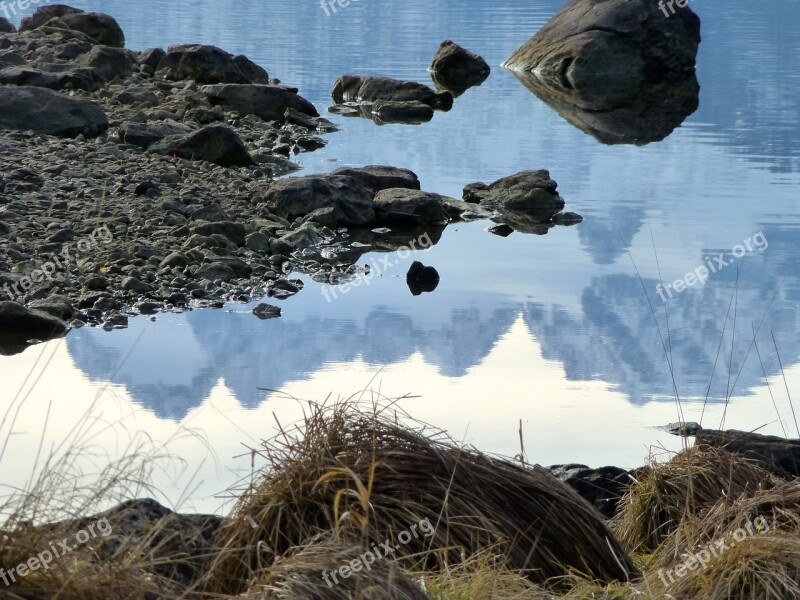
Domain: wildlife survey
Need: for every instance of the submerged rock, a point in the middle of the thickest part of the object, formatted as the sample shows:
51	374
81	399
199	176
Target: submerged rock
456	69
361	89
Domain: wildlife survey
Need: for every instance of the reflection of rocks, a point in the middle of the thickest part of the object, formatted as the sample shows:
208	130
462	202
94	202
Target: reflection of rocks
619	70
526	201
648	114
385	112
456	69
267	311
20	326
421	278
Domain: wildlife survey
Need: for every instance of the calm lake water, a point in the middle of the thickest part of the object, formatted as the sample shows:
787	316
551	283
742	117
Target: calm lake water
554	331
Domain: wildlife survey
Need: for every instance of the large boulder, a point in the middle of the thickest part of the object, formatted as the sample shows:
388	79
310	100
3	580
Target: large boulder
455	68
379	177
293	197
778	455
98	27
358	90
408	207
269	102
79	78
48	112
6	26
19	326
610	45
215	143
108	62
209	64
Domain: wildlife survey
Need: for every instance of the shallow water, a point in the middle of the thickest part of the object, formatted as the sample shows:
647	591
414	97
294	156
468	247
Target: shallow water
556	332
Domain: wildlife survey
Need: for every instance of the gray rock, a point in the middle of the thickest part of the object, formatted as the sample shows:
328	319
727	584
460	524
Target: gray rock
44	14
269	102
379	177
455	68
258	242
405	207
145	135
100	27
267	311
358	89
131	284
299	196
134	95
305	236
57	306
109	62
151	57
610	45
209	64
215	271
215	143
77	78
48	112
18	326
233	231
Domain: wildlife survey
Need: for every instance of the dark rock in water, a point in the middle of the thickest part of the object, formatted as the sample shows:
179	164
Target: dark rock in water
57	306
209	64
357	89
404	207
456	69
378	177
414	112
267	311
502	230
602	487
6	26
295	197
19	326
145	135
215	143
48	112
109	62
269	102
777	455
635	116
610	45
421	278
567	219
526	201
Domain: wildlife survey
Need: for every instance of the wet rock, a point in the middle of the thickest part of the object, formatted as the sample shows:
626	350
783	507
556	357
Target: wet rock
305	236
401	206
409	113
284	288
601	487
523	201
299	196
218	144
19	326
358	89
48	112
209	64
145	135
421	279
455	68
379	177
269	102
267	311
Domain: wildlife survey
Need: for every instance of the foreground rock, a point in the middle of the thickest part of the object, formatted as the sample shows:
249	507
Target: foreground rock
610	45
19	327
526	202
51	113
456	69
369	89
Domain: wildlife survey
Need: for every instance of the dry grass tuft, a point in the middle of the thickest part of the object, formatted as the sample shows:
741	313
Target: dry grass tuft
370	479
692	482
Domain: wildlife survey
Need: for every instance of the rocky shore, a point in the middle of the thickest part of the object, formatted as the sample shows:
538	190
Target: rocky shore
139	182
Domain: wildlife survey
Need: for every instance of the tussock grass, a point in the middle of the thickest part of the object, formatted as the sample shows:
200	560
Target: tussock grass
369	478
693	481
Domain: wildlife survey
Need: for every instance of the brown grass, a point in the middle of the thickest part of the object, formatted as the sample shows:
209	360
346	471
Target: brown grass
370	479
